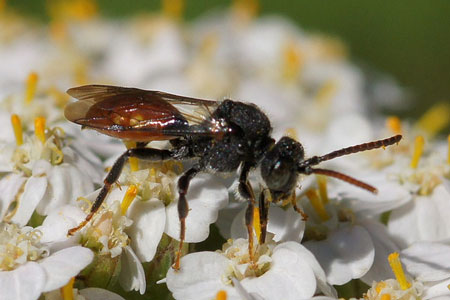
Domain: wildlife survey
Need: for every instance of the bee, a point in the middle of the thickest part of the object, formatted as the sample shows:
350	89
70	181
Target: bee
219	136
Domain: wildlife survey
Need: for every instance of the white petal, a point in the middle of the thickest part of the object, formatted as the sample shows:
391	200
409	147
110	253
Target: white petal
34	191
205	197
427	261
99	294
56	225
390	195
309	257
149	220
289	277
438	291
287	225
423	219
66	184
384	246
9	187
132	276
63	265
346	254
24	283
199	277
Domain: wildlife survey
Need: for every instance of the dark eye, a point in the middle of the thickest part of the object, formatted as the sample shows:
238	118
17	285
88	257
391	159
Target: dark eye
280	174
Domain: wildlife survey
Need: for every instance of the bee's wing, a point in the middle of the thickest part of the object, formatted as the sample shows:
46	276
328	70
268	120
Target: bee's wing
136	114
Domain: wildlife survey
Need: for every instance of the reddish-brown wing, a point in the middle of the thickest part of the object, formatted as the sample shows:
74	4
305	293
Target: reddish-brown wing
140	115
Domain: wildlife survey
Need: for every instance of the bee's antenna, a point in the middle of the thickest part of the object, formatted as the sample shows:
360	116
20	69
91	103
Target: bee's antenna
305	167
345	178
349	150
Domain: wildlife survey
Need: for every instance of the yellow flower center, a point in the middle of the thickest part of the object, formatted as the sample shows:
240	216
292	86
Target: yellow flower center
19	245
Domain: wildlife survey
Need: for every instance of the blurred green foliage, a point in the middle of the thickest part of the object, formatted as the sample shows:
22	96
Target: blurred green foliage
408	39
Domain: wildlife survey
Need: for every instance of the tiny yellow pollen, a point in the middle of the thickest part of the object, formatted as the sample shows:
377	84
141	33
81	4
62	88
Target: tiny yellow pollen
317	204
326	91
419	143
256	222
386	297
435	119
292	61
17	127
323	192
173	8
396	266
30	89
448	149
39	128
67	290
394	124
221	295
128	198
134	162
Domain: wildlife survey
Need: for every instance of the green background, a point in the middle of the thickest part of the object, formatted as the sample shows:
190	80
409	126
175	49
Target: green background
408	39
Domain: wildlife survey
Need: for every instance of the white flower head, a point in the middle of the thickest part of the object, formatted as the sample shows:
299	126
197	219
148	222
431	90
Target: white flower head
41	173
29	268
286	270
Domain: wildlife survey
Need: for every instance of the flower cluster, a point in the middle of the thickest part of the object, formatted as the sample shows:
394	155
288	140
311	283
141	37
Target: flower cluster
327	238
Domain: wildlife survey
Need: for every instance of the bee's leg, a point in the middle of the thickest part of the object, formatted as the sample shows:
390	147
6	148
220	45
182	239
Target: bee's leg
263	216
183	208
246	192
114	173
296	208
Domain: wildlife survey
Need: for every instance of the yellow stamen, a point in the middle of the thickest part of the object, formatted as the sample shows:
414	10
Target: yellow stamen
134	162
256	222
435	119
245	9
221	295
418	150
292	61
396	266
394	124
30	89
317	204
326	91
173	8
17	127
386	297
322	183
39	128
67	290
448	149
2	5
380	286
128	198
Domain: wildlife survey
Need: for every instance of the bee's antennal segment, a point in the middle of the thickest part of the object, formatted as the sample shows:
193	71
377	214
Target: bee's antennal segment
345	178
350	150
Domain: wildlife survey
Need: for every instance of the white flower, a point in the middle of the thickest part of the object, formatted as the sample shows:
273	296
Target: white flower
427	277
155	205
43	173
85	294
28	267
284	271
104	234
